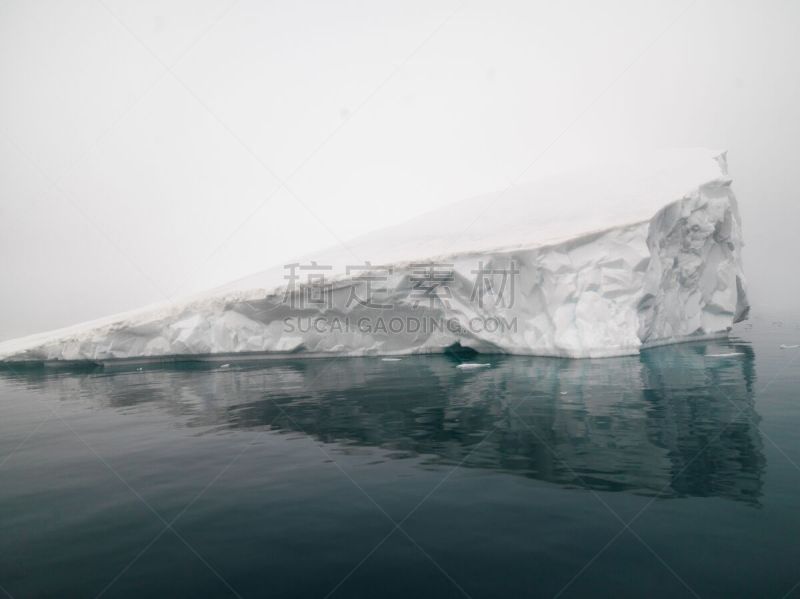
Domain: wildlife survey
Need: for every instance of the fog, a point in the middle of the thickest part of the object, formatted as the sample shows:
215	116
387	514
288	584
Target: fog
150	150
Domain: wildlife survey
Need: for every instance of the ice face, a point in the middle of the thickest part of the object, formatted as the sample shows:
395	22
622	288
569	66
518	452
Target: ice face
599	263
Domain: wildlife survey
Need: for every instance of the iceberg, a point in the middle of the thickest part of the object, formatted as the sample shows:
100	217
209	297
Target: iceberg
600	262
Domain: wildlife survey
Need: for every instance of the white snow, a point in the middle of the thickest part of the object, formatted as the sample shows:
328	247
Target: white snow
604	262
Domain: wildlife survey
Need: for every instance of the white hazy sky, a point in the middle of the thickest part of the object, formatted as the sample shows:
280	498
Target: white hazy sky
153	149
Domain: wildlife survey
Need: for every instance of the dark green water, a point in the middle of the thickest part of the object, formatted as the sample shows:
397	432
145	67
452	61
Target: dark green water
669	474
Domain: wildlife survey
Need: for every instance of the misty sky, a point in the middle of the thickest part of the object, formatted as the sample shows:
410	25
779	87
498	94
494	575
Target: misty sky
153	149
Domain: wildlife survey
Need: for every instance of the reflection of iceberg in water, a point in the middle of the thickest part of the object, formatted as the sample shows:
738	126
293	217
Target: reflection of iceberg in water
673	421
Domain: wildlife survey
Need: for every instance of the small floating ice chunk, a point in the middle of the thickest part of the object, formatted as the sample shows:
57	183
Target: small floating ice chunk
726	355
563	393
390	359
784	346
472	365
225	366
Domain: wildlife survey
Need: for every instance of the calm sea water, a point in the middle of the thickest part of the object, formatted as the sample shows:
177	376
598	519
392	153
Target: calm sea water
670	474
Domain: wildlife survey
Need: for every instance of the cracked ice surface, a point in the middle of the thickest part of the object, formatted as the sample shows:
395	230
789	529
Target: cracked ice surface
606	261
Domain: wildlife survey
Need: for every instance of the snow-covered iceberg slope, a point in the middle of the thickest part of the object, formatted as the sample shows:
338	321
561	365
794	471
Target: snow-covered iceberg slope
601	262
